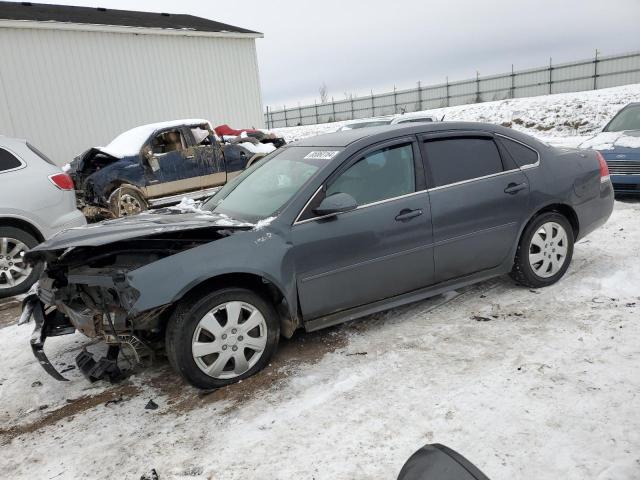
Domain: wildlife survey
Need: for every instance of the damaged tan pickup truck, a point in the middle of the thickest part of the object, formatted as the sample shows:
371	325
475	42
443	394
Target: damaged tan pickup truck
158	164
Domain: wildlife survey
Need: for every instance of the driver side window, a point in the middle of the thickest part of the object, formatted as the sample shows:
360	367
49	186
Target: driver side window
169	141
379	175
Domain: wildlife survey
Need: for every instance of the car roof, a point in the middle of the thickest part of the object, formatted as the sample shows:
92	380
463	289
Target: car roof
376	134
130	142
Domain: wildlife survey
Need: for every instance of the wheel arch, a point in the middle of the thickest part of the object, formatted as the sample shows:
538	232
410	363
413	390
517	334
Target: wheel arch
287	313
22	225
562	208
566	210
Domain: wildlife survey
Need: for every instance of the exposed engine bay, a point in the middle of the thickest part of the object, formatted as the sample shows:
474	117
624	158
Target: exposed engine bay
85	288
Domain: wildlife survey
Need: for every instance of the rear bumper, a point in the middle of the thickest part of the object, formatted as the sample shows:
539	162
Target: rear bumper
595	212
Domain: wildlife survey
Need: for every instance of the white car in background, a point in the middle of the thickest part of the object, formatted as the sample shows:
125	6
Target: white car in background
380	121
37	200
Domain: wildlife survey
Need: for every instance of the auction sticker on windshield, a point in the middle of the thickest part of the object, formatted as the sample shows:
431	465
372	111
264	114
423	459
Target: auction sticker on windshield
321	155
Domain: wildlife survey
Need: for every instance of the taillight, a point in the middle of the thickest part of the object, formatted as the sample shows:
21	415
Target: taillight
604	168
62	181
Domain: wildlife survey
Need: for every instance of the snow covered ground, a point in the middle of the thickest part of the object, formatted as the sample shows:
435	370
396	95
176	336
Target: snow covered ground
525	383
518	380
550	117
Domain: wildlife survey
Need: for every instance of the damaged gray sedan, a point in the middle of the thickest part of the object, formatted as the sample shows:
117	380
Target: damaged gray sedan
322	231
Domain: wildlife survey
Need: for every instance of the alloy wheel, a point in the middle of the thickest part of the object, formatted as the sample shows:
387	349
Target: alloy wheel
548	249
229	340
128	205
13	268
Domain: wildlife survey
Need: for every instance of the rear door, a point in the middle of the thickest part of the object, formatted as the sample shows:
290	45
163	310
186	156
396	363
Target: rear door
479	198
381	249
206	155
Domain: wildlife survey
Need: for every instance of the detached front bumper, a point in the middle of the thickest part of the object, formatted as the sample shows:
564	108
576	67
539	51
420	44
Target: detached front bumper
47	324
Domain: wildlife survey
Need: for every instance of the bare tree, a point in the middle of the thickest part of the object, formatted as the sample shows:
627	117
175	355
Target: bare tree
324	93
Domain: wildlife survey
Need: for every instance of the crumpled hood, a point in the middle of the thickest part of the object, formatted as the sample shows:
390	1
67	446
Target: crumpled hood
142	225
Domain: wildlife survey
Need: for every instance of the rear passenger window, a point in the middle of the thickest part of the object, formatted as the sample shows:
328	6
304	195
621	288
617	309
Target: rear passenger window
521	154
457	159
8	161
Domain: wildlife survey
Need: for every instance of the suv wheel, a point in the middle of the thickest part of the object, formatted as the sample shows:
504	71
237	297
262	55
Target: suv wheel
126	201
15	275
544	252
222	337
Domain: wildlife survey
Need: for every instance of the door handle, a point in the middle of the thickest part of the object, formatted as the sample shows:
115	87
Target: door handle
514	188
190	157
407	214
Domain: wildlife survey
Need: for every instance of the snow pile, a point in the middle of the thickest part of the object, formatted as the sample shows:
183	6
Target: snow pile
187	205
265	148
560	114
611	140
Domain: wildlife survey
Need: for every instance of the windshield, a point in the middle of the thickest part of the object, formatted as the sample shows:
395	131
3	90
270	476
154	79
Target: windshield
264	189
627	119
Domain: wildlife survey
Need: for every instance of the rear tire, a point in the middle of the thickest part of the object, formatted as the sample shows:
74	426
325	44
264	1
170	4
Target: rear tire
16	277
544	252
222	337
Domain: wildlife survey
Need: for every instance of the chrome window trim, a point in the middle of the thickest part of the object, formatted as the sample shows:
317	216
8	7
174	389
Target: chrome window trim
297	220
530	165
23	164
462	182
359	207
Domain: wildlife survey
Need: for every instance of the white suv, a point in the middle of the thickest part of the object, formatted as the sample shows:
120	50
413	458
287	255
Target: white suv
37	200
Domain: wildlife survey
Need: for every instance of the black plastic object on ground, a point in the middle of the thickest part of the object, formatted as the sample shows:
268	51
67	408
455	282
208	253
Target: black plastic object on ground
106	367
437	462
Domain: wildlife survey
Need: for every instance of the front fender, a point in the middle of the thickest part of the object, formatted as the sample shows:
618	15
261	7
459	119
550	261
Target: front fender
263	252
104	181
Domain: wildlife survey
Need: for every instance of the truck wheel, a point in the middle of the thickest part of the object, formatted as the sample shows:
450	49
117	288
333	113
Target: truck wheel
15	275
126	201
544	252
222	337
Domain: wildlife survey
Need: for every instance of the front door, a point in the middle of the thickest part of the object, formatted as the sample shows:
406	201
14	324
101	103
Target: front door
381	249
174	166
478	200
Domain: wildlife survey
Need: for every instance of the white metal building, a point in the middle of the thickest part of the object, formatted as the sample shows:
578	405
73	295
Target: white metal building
75	77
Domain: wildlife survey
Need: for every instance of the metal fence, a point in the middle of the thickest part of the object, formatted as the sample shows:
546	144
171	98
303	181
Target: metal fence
597	72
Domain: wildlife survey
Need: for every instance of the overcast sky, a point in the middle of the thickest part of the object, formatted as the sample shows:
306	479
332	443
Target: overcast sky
354	46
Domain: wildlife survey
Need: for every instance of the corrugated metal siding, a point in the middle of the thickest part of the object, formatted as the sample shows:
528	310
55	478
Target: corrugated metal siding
67	91
606	72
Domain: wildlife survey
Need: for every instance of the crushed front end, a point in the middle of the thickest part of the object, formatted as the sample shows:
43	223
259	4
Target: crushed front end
85	287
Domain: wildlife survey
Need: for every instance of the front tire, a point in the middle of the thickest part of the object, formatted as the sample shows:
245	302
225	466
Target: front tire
544	252
222	337
125	202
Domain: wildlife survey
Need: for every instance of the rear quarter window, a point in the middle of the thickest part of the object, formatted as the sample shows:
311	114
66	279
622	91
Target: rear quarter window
521	154
8	161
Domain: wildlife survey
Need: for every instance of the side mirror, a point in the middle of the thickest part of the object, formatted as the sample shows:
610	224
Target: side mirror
151	160
437	462
336	203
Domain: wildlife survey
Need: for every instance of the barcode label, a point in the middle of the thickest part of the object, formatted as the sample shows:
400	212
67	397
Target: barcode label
321	155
